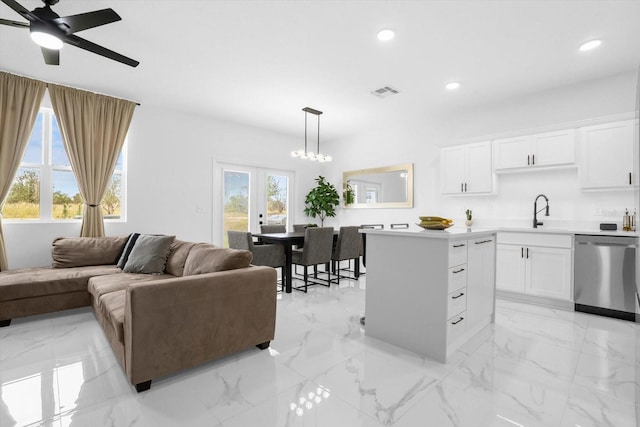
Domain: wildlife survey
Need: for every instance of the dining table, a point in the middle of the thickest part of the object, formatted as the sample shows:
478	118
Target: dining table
288	240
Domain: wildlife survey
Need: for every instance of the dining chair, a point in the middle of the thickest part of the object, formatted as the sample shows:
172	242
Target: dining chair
269	255
400	225
318	247
268	229
348	247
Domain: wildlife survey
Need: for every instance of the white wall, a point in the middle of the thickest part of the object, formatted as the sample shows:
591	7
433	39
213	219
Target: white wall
399	143
170	180
171	157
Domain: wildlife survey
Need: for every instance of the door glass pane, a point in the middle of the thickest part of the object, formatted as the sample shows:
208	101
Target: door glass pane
23	201
236	203
277	197
67	203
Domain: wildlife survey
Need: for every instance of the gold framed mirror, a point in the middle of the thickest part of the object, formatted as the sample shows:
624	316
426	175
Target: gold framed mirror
384	187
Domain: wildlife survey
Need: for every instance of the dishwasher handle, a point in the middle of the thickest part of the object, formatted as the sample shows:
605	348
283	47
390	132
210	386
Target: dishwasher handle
620	245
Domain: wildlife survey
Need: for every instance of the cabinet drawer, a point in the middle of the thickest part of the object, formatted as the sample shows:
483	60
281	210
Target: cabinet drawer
457	253
457	277
536	239
456	327
457	302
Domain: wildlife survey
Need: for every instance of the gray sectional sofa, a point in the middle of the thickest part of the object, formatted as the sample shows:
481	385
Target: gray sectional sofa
206	302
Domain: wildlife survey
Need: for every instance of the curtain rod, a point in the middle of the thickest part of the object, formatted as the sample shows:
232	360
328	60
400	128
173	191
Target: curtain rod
137	103
48	83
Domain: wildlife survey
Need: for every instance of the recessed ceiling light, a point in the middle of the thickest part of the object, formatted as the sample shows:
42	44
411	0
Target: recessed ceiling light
386	35
452	86
591	44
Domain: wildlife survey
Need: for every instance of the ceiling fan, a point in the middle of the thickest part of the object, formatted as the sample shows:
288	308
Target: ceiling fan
50	30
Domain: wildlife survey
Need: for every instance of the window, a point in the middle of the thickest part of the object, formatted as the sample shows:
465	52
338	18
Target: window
45	187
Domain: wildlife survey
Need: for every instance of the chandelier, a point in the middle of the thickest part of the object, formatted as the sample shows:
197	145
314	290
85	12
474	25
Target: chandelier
304	154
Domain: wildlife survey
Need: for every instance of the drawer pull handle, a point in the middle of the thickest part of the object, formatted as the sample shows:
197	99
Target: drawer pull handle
458	271
457	321
458	296
459	246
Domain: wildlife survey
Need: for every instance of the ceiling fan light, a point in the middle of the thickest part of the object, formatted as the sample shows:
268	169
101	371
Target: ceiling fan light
46	40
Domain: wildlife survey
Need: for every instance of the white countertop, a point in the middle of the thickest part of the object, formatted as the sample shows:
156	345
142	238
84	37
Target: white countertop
452	232
462	231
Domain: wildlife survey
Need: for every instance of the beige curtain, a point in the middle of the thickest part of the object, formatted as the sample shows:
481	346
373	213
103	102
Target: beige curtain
20	99
93	129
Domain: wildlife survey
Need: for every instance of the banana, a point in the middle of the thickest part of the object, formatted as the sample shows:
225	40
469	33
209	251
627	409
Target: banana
435	218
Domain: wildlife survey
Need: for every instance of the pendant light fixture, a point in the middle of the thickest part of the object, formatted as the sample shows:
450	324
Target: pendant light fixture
304	154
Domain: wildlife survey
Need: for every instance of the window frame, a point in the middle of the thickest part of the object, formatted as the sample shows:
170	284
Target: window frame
46	169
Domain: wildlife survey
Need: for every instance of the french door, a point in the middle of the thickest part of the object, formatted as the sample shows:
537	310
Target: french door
253	196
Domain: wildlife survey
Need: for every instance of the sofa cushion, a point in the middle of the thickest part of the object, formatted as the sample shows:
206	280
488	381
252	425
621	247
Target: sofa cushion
35	282
209	259
83	251
101	285
177	257
111	307
149	254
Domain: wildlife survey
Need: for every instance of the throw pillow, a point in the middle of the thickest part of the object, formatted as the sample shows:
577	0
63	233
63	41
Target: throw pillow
126	251
209	259
149	254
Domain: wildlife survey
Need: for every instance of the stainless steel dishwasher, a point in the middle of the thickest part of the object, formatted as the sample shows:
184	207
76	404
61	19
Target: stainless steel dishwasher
605	275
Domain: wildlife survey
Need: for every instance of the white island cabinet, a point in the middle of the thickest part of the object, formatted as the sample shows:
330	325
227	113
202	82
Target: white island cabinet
429	291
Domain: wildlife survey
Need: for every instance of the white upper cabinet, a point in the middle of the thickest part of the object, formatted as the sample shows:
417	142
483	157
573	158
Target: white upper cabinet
550	149
466	169
606	156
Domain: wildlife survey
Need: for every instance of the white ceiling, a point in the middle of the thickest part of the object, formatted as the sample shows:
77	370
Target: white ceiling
261	62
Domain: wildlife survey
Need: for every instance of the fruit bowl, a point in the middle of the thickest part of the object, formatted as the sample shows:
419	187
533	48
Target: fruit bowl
434	226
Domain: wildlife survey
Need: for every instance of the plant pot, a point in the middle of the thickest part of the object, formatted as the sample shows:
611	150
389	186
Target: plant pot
469	222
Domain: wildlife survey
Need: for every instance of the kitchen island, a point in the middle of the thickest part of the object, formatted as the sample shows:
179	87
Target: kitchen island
429	291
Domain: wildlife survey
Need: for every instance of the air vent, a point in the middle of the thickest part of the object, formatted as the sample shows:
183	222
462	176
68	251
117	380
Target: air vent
385	91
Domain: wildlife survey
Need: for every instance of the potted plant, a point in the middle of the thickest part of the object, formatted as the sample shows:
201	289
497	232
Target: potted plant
348	194
322	200
469	220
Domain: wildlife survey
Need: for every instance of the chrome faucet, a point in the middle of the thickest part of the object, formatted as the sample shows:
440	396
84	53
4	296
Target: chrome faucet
536	223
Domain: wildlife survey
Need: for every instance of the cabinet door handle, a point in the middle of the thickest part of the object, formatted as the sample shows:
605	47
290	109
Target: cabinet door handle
465	187
629	178
521	252
458	271
533	159
483	241
528	160
458	321
527	253
459	246
458	296
461	187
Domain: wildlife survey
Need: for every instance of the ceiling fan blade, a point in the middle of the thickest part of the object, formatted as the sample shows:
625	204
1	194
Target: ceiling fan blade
87	20
51	56
92	47
21	10
14	23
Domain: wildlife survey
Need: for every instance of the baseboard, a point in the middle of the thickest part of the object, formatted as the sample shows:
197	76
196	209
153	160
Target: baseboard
532	299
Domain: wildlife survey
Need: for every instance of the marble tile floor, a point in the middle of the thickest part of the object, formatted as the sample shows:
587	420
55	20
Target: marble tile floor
535	367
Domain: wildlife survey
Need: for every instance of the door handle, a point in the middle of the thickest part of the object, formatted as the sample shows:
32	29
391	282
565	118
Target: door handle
527	253
465	187
458	296
459	246
458	321
461	187
528	160
533	159
629	178
521	252
458	271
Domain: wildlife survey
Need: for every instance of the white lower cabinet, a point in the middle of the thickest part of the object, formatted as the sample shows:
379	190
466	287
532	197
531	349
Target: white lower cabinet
481	258
535	264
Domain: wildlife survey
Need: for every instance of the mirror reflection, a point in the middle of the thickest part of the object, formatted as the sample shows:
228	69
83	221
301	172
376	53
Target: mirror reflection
384	187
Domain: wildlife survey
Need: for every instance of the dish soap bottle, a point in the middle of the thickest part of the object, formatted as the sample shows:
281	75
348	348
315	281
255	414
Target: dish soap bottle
626	221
